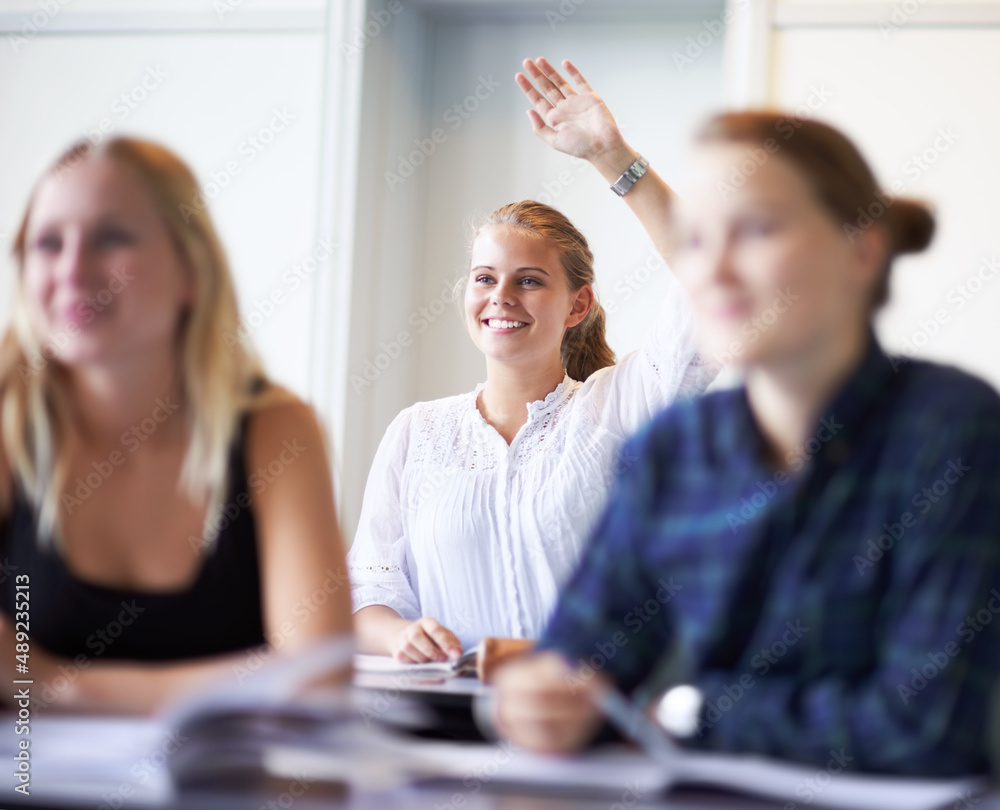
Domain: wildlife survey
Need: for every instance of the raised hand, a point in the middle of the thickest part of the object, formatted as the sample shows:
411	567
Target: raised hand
576	121
572	120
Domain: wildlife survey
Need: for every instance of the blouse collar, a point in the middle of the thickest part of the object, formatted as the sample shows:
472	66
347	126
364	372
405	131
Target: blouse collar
540	407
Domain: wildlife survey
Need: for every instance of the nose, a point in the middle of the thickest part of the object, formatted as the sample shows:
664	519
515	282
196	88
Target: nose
720	267
504	293
75	264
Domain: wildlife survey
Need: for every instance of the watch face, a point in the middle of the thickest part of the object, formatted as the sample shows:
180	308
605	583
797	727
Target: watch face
677	711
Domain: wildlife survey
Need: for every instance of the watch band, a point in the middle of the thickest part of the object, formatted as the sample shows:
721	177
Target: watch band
623	185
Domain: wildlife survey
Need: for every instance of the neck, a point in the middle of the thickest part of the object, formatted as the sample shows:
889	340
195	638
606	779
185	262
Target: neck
109	399
503	402
787	397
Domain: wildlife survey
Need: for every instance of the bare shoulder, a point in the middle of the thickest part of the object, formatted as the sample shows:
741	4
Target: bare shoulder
281	426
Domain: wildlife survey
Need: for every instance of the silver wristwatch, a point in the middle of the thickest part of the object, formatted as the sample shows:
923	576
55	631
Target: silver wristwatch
624	184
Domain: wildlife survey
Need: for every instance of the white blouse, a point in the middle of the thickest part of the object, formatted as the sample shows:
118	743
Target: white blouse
480	535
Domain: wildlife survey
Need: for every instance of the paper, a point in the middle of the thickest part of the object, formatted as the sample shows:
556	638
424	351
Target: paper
97	762
431	669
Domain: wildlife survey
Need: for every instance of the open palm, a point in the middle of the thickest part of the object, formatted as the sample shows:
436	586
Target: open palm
572	120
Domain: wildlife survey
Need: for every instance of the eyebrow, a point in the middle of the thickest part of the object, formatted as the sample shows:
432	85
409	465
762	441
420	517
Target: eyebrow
519	269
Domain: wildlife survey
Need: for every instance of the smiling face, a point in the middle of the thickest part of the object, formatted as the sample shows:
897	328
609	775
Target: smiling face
771	273
518	303
101	276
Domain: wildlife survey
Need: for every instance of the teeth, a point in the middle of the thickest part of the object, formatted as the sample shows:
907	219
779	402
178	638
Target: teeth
496	323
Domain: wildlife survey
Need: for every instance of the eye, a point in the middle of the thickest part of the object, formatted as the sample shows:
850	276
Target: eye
758	227
112	237
484	279
48	243
529	281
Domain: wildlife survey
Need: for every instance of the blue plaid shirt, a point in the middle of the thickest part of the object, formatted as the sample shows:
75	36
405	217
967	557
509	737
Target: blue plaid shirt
848	608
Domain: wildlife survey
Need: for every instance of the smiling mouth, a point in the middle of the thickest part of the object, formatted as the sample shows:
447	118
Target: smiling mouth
498	323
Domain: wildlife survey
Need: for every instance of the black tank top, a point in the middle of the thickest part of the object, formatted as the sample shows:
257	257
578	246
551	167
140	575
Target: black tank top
220	611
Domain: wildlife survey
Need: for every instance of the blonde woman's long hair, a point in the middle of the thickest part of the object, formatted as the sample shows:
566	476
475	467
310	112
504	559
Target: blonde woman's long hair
216	376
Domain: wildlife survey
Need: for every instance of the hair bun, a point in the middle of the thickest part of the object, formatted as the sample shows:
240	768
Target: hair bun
912	225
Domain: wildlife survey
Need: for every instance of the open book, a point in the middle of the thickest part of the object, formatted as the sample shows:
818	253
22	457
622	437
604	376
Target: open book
658	766
463	666
614	772
480	662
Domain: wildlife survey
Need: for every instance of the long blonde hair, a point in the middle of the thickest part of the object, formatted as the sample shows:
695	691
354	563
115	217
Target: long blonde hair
216	380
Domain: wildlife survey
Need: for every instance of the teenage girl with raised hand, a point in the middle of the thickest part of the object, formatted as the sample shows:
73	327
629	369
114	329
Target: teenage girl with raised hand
477	506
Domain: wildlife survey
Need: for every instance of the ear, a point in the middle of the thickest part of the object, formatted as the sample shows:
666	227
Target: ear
870	250
582	303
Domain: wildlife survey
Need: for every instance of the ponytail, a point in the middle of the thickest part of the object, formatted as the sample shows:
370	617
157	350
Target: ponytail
585	348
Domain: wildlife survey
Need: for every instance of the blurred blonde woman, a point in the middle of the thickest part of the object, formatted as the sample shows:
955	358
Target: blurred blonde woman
163	505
